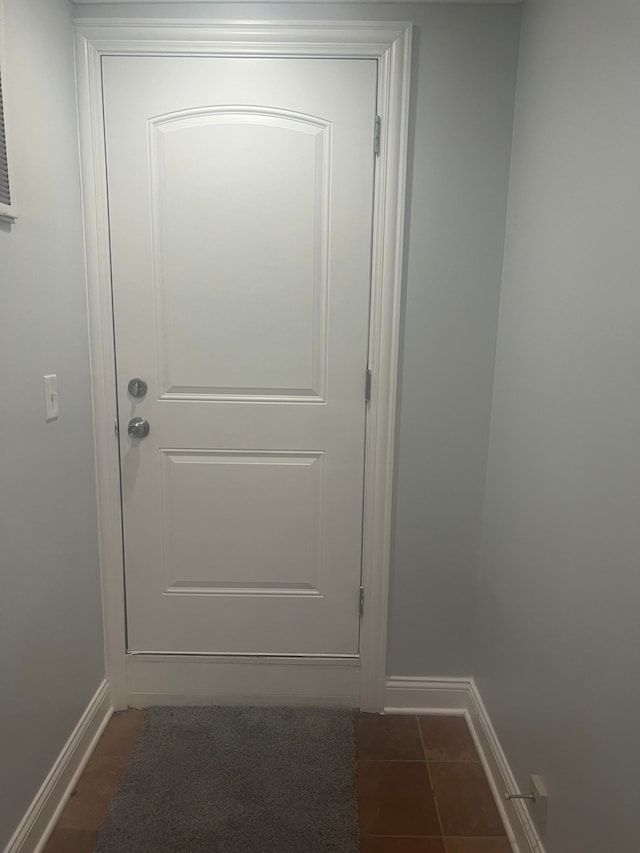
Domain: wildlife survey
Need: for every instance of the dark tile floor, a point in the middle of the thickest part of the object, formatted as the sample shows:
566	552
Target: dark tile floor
79	824
421	788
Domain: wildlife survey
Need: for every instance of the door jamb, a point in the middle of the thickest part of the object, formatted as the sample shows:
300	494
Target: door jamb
390	45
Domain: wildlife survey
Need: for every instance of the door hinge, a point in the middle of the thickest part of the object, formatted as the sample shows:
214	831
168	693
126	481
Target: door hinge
116	428
377	126
361	600
367	386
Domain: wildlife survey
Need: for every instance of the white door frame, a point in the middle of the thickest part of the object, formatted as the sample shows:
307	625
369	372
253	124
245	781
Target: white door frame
156	678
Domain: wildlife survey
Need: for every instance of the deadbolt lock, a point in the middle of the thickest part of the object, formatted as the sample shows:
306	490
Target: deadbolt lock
137	387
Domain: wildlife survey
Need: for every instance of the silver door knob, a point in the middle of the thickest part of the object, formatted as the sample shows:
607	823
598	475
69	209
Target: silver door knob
137	387
138	428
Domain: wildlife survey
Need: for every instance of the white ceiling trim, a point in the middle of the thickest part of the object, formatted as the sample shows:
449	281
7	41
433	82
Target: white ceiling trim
293	2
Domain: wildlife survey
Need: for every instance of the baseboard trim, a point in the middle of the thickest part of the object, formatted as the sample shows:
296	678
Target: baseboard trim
461	696
427	695
208	680
42	815
146	700
515	812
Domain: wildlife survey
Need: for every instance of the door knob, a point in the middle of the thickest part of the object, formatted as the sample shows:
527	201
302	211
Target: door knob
138	428
137	387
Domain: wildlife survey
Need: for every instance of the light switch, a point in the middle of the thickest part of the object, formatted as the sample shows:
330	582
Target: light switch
50	397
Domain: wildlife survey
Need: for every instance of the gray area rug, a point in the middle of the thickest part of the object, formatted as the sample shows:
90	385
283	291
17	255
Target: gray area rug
237	780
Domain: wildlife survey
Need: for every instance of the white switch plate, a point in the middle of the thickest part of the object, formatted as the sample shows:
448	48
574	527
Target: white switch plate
50	397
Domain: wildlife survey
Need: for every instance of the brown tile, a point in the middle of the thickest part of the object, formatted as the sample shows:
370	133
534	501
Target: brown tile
88	804
401	845
447	739
388	738
71	841
121	734
395	798
477	845
97	786
464	800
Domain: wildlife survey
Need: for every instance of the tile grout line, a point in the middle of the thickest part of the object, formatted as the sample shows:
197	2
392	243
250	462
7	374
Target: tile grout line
420	837
435	799
391	760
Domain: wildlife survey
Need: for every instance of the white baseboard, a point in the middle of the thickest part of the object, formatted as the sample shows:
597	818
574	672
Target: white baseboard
427	695
204	680
461	696
43	813
515	812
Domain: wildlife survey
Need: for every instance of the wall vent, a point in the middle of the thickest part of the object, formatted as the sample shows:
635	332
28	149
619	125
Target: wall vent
7	209
5	189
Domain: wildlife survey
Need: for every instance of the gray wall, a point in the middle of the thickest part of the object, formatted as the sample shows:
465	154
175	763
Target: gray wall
50	631
461	122
559	631
464	87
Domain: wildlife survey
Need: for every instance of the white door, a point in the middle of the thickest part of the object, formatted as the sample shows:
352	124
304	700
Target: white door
240	204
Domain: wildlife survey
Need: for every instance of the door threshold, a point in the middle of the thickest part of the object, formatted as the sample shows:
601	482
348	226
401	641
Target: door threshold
243	657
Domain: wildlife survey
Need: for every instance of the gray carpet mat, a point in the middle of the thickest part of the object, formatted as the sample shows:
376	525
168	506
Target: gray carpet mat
237	780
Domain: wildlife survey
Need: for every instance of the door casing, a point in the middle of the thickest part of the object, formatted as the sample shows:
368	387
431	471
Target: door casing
137	679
